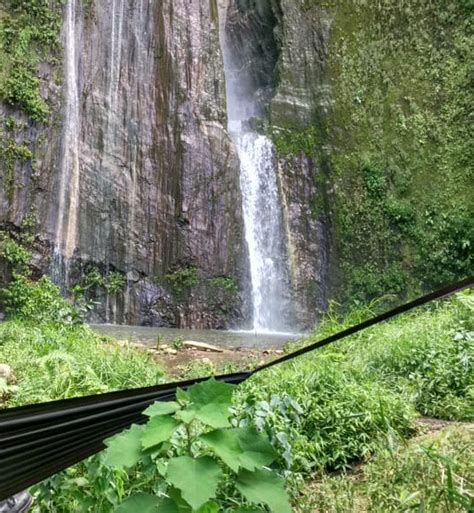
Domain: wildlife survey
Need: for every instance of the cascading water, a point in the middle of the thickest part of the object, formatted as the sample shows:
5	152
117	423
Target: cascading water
66	226
262	217
261	201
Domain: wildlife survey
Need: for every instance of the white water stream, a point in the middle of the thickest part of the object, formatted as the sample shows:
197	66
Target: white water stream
261	200
66	226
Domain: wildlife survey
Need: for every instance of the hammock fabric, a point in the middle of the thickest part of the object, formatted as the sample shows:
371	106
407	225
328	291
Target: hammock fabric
37	441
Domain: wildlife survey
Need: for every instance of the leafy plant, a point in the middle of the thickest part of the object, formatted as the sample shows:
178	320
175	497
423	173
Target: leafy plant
38	302
91	281
93	278
206	465
14	254
27	30
115	282
182	281
225	283
177	343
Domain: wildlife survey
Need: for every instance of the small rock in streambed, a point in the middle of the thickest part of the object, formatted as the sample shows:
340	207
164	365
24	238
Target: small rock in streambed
170	350
202	346
6	372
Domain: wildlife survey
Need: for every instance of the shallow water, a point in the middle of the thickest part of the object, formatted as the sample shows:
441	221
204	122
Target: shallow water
229	339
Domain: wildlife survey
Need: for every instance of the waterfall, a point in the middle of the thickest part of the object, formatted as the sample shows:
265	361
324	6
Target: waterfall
116	42
66	225
261	202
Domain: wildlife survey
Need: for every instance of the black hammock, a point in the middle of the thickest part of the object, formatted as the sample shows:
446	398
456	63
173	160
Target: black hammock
37	441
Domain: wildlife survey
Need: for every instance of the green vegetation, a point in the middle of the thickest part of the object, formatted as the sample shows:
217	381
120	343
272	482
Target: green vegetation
321	413
432	474
294	141
92	280
395	152
29	32
13	255
225	283
115	282
54	362
336	406
182	280
205	465
353	402
52	354
38	302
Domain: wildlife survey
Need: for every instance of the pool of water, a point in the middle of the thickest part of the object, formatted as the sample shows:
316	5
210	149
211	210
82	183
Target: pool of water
229	339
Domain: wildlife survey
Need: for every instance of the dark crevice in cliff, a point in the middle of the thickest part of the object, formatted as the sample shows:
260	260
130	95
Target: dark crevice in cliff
252	28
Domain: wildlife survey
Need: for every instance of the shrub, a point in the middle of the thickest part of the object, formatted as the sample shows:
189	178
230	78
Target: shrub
37	302
201	462
182	281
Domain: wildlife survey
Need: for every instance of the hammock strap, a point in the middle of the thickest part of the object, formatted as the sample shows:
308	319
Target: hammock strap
438	294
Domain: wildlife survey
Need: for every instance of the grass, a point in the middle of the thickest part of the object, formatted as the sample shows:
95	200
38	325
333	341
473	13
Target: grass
54	363
434	474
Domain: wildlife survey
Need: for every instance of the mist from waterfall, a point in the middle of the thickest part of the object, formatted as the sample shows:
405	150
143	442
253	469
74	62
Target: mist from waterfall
261	200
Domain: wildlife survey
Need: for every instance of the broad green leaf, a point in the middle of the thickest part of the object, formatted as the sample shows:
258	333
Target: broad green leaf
241	447
209	507
142	503
187	416
225	443
162	408
197	479
247	510
175	495
210	391
158	430
257	451
210	402
214	415
124	450
264	487
181	395
168	506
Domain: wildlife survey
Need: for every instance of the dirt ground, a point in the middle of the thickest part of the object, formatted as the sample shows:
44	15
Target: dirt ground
179	362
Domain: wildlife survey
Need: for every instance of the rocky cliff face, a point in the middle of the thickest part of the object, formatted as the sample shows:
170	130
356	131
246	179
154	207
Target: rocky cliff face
156	189
115	150
134	172
369	119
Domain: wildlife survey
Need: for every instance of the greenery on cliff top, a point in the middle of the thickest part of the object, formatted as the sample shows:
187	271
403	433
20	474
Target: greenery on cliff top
29	32
396	145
